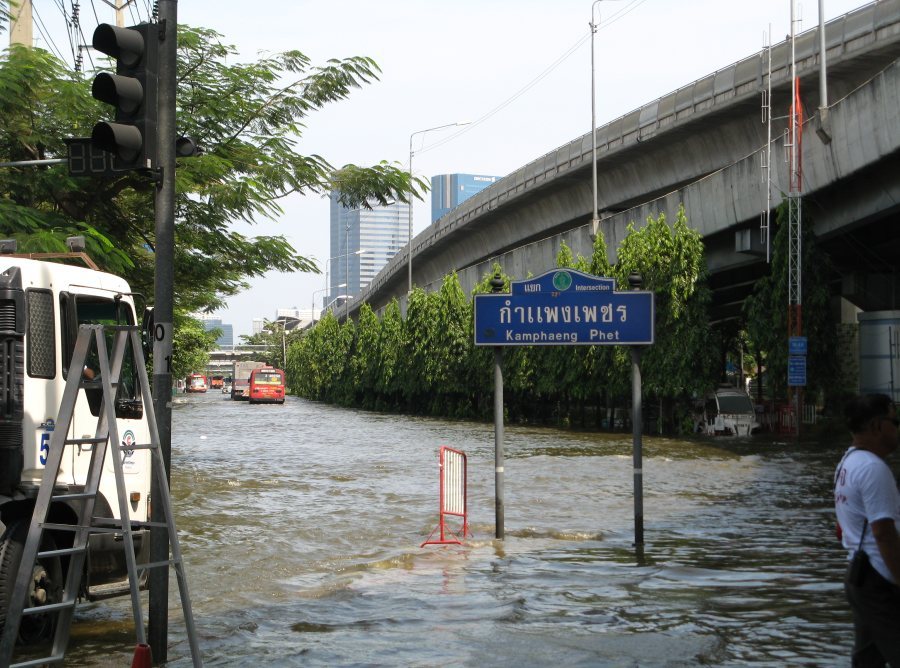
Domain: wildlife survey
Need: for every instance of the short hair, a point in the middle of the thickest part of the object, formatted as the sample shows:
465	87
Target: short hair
862	409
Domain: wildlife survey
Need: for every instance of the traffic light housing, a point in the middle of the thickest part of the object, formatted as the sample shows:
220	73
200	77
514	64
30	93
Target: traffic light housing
132	90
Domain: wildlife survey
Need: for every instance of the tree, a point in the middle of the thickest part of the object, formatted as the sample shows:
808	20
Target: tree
671	262
191	344
248	117
766	312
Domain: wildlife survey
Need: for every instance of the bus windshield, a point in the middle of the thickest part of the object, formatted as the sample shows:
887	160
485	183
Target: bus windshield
267	378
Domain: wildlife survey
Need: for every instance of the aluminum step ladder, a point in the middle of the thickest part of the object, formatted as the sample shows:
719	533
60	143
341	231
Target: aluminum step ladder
49	492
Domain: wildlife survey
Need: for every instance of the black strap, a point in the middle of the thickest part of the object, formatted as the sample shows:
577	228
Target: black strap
863	535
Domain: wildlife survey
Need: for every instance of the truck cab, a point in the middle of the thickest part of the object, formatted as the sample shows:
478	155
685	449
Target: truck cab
729	411
42	304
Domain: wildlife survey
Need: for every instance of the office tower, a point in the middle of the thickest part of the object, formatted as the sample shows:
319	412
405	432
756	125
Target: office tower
226	340
362	242
448	191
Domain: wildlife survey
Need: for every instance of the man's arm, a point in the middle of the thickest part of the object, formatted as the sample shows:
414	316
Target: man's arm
888	540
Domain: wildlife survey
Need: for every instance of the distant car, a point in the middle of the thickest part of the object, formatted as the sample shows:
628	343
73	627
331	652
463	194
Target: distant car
728	411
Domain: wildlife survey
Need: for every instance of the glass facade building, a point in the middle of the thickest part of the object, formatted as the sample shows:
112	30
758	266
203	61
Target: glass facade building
226	340
362	242
448	191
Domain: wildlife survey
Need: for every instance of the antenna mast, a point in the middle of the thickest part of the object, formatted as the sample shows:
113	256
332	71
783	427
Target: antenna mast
795	294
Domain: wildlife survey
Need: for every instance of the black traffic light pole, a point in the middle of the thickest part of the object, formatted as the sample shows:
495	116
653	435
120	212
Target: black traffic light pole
142	137
163	316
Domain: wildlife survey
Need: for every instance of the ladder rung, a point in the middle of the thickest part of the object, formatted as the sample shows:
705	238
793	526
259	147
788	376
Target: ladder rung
116	525
50	607
77	496
95	440
139	446
158	564
62	552
56	658
50	526
95	384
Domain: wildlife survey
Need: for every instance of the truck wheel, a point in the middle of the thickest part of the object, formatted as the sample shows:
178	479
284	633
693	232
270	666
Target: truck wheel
45	587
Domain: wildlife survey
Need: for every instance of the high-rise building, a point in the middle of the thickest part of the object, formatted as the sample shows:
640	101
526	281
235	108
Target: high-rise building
226	340
362	242
448	191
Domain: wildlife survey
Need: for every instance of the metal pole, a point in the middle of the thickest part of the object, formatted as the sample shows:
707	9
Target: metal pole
824	129
409	240
347	272
595	220
163	322
498	442
497	285
412	195
29	163
637	446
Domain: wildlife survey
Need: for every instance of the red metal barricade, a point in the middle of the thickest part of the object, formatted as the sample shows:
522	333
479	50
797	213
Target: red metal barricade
452	497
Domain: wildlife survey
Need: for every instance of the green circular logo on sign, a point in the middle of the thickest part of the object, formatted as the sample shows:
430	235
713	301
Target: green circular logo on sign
562	280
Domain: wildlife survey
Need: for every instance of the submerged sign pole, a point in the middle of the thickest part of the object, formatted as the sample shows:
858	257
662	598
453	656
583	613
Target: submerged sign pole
497	284
637	429
565	307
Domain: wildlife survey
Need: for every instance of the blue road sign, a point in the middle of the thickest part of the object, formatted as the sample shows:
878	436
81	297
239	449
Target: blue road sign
797	345
564	307
797	371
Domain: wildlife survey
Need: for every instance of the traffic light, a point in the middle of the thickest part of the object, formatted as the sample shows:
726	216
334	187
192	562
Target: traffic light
131	138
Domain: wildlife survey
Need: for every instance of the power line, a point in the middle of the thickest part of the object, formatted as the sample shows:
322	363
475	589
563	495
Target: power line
45	34
616	16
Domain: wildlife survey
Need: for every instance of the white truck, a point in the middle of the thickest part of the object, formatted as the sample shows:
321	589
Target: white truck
41	306
240	379
729	411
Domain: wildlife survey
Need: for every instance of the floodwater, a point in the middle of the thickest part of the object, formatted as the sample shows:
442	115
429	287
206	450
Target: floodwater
300	527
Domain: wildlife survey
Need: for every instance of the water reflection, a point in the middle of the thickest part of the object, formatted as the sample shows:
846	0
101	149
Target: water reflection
301	523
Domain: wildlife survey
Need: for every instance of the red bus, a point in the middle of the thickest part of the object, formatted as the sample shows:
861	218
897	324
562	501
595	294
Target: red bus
267	386
196	382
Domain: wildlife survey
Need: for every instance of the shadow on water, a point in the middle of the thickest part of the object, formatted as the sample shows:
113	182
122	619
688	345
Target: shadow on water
301	527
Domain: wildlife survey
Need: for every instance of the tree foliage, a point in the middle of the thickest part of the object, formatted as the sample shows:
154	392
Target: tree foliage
427	362
766	312
249	119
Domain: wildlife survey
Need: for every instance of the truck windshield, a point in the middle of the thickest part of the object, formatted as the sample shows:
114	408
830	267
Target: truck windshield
78	310
735	403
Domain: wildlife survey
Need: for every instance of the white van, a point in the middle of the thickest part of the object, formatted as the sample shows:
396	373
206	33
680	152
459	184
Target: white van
729	411
41	306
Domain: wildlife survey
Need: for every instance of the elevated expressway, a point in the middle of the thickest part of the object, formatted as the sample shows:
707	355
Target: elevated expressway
703	146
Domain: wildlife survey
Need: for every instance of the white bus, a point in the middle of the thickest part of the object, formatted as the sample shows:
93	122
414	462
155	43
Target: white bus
41	306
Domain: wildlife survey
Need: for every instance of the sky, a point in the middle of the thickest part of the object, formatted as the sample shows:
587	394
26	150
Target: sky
519	71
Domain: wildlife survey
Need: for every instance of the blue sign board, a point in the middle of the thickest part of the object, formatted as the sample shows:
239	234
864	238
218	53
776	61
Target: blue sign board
797	370
564	307
797	345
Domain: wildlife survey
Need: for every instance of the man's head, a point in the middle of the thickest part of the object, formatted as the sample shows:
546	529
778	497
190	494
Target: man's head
873	421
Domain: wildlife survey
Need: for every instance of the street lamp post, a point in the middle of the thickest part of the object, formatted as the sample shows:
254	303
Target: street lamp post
595	212
412	194
316	292
361	251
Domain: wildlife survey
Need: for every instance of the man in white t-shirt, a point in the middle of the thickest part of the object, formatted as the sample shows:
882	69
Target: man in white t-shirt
867	504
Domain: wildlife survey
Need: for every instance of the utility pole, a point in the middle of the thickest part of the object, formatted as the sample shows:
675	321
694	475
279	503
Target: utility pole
795	210
163	317
21	29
